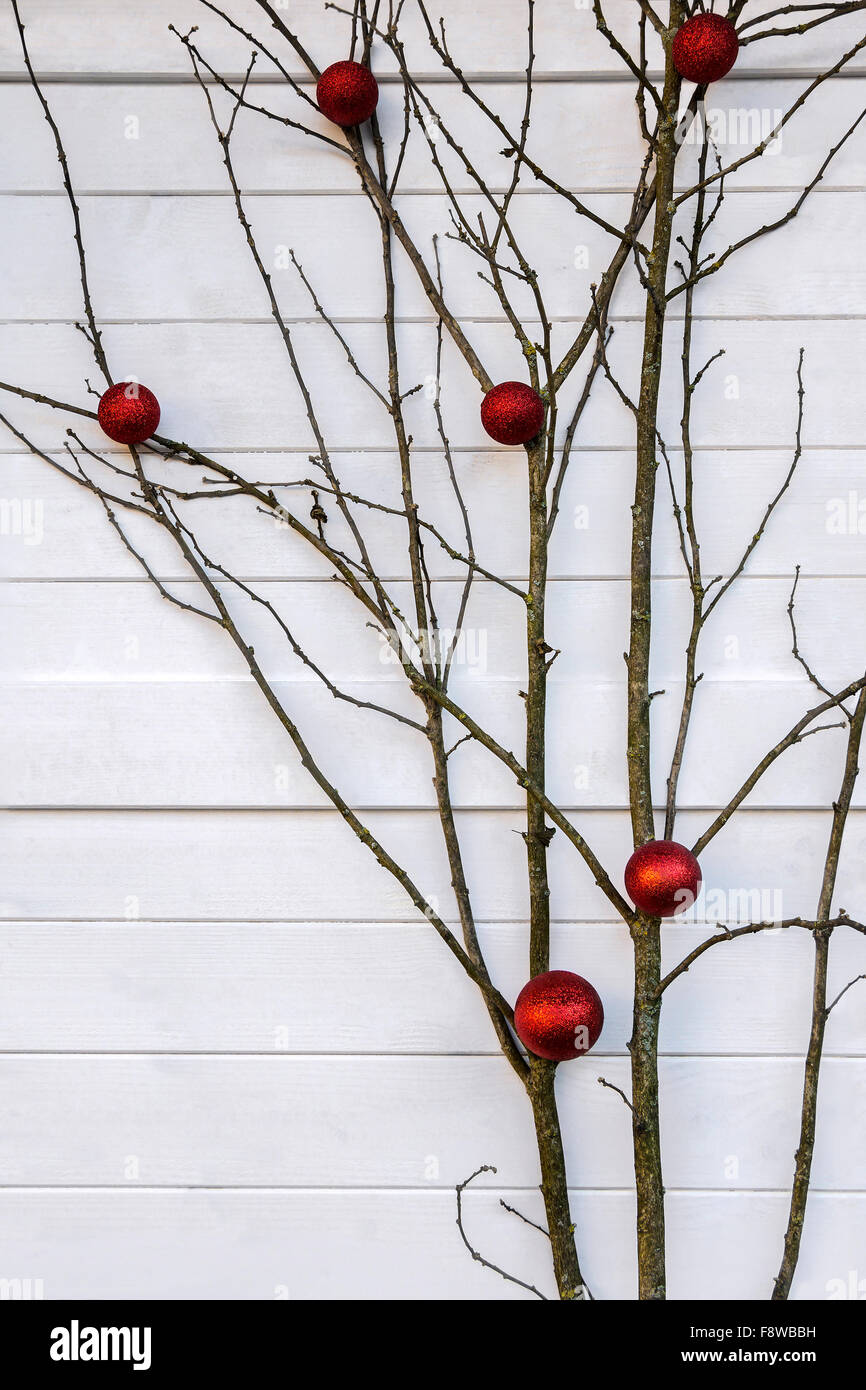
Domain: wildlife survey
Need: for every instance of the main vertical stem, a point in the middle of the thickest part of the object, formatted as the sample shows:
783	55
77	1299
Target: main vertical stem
554	1180
542	1076
820	1012
537	832
808	1117
643	1045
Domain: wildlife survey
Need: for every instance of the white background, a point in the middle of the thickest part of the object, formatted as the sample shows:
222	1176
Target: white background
234	1063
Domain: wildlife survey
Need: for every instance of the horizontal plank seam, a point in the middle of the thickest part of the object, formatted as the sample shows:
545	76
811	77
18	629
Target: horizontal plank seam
293	924
480	582
434	77
370	321
382	450
429	1189
393	808
93	920
15	683
396	1055
251	192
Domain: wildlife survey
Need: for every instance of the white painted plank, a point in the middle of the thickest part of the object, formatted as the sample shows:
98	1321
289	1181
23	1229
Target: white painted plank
127	632
229	385
313	988
116	136
51	529
390	1122
277	937
273	865
397	1245
185	243
63	745
99	39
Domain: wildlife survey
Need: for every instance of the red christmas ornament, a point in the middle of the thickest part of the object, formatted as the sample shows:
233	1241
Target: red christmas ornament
347	93
558	1015
128	413
705	48
663	878
512	413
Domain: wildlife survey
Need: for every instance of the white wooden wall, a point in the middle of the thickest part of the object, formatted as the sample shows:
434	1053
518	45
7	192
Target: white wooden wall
234	1064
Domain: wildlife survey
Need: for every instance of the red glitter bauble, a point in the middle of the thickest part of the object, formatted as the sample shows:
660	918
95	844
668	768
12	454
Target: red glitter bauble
705	48
129	413
347	93
558	1015
512	413
663	878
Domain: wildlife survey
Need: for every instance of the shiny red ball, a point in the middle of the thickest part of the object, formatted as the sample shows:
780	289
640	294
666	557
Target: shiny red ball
128	413
347	93
663	878
558	1015
512	413
705	48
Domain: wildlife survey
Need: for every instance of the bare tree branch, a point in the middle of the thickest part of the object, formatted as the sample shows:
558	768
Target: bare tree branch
476	1255
820	1012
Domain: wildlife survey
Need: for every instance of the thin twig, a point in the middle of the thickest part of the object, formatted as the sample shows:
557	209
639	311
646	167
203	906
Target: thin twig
476	1255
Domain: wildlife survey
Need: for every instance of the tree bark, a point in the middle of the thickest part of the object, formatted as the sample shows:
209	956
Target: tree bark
820	1013
645	932
538	834
459	884
542	1074
554	1180
643	1047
